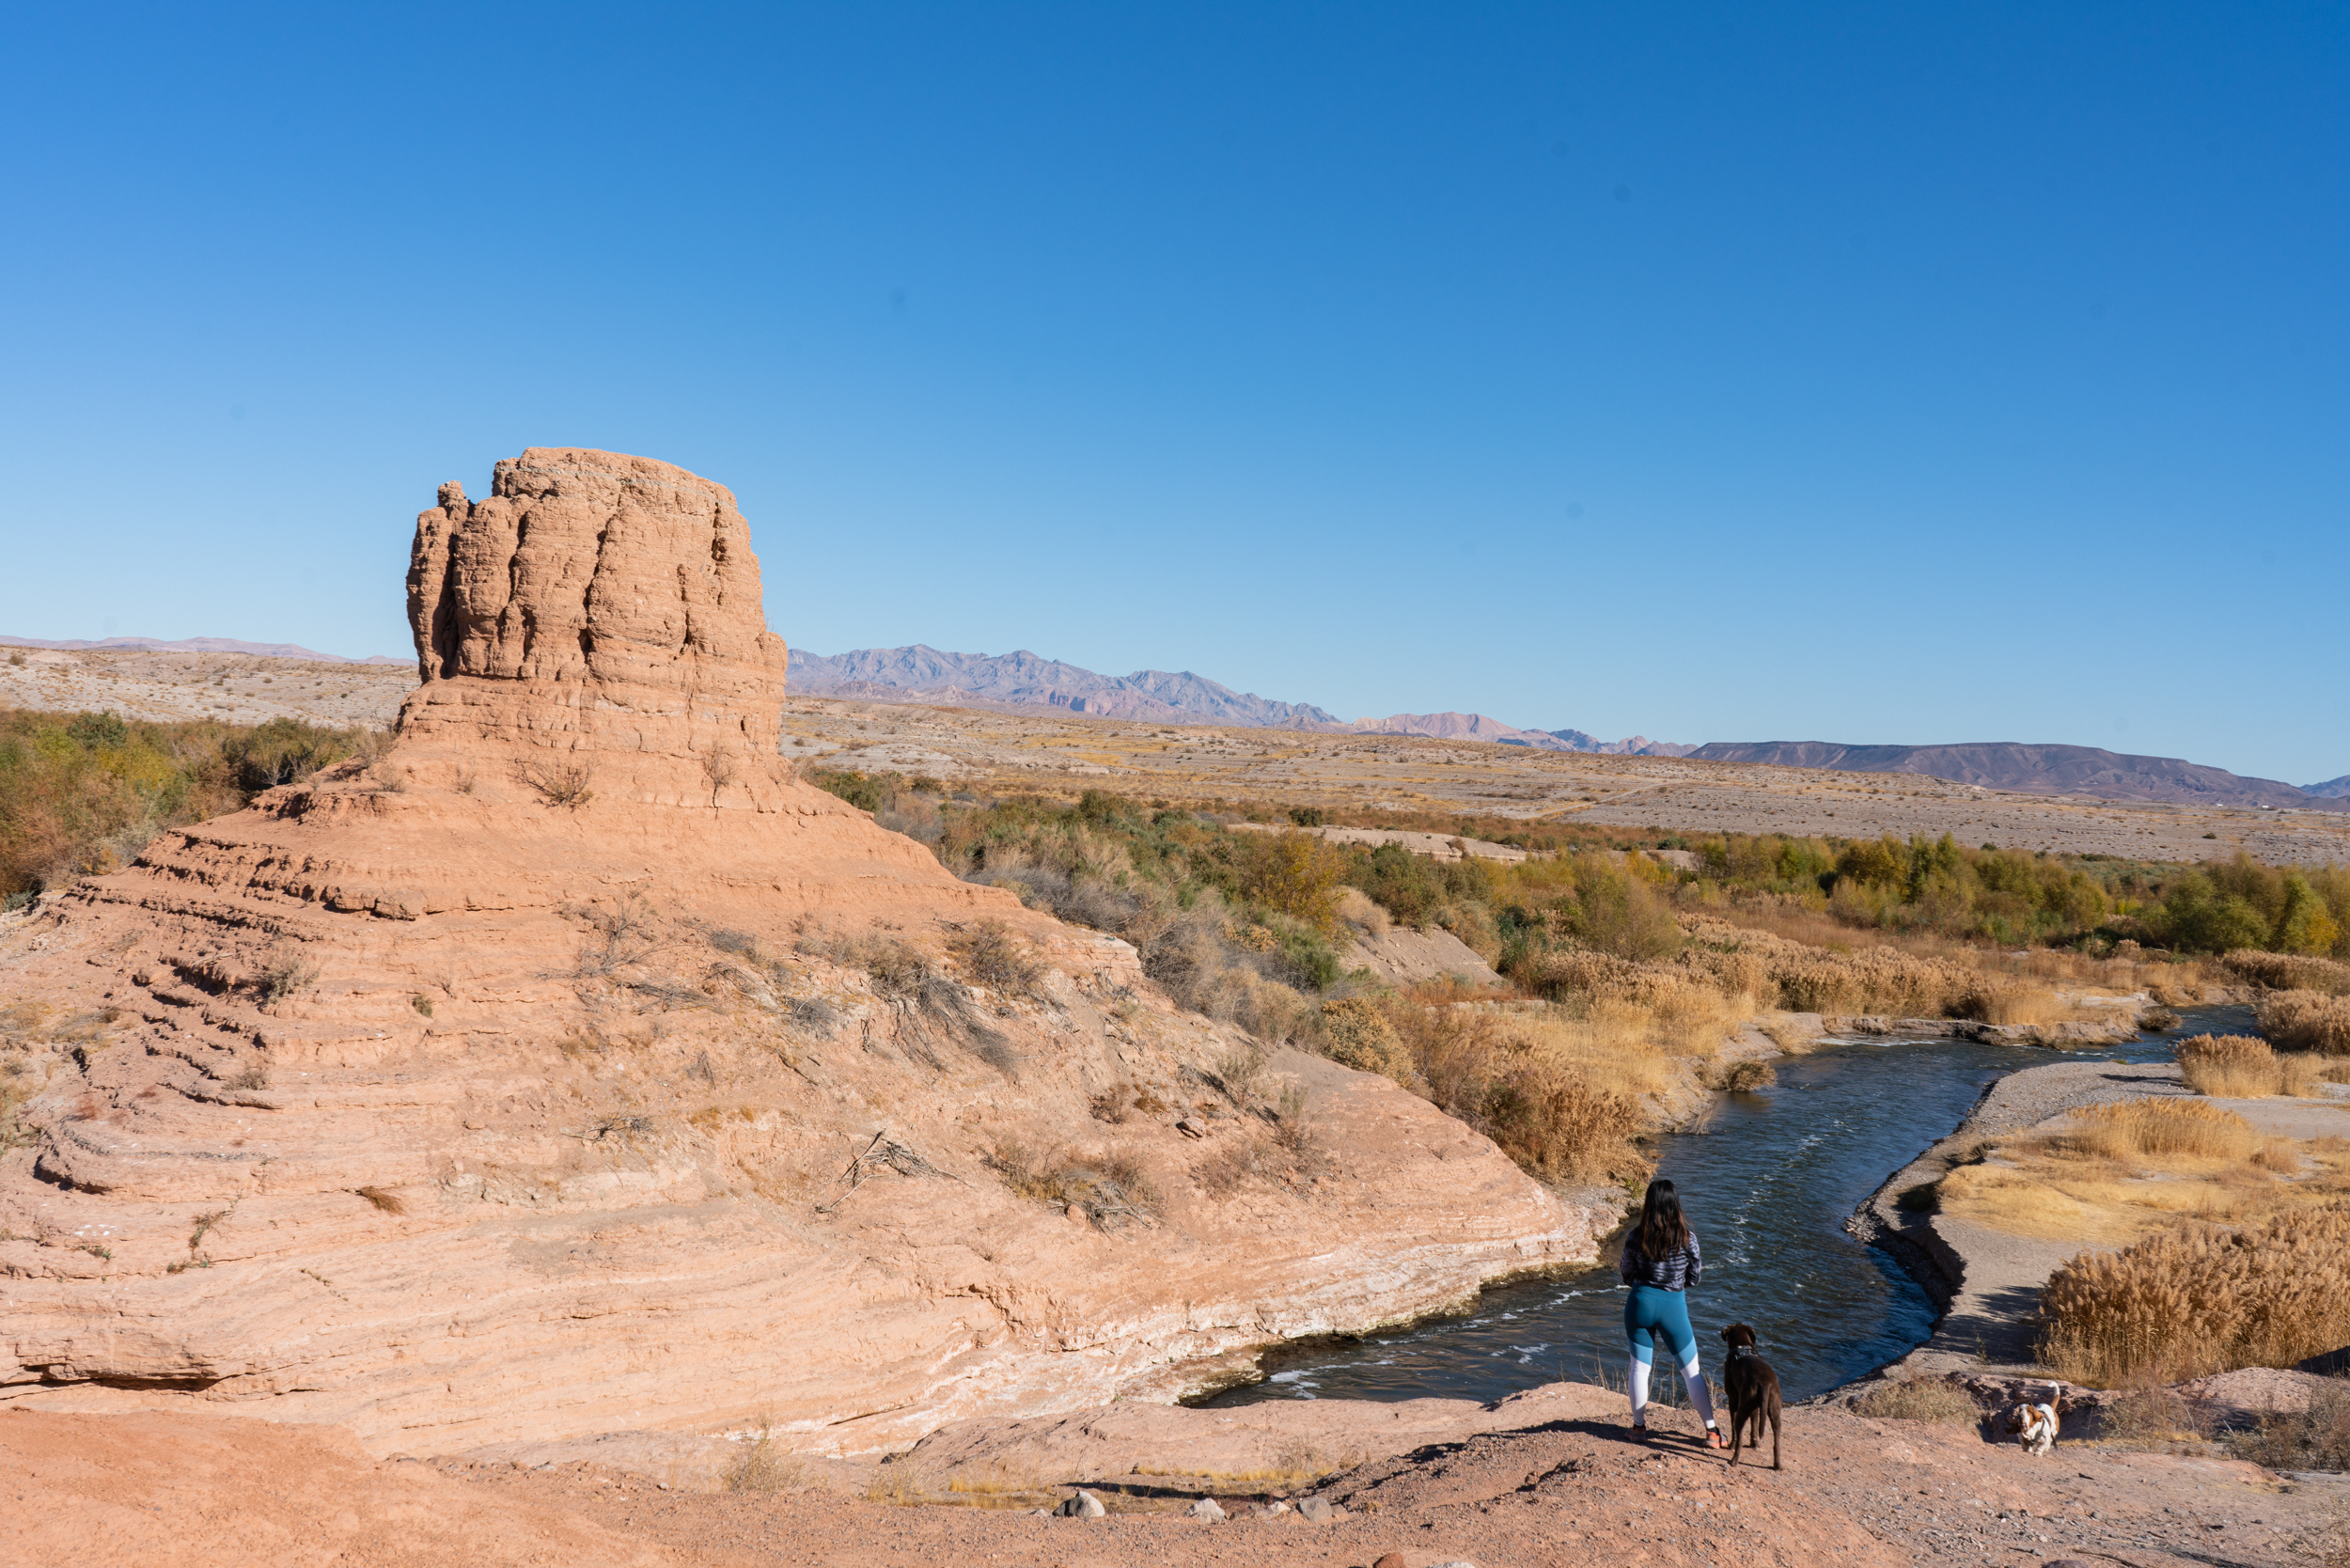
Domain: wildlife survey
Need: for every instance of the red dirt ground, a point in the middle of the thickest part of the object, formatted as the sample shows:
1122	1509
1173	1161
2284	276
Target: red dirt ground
191	1492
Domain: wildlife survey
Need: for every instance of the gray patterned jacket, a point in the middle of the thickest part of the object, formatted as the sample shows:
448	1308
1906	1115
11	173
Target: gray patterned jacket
1676	1270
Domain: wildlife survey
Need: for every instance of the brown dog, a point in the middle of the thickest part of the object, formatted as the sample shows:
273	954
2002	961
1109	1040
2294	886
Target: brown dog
1753	1390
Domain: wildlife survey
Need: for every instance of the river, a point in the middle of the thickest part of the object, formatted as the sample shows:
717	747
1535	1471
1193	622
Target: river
1768	1179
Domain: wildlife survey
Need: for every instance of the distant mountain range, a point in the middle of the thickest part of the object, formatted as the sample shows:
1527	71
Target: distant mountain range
2040	770
1026	680
1481	727
204	644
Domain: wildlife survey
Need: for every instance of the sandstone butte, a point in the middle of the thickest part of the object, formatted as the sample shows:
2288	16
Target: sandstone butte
498	1088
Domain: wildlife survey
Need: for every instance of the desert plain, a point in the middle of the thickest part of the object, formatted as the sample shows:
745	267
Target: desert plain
993	751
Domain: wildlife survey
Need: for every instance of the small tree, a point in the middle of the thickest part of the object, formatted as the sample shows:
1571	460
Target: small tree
1298	875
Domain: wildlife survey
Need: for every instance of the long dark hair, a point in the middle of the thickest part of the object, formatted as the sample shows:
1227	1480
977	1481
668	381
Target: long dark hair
1661	1230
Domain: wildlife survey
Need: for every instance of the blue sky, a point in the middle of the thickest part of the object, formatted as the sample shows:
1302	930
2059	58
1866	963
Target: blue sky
1870	374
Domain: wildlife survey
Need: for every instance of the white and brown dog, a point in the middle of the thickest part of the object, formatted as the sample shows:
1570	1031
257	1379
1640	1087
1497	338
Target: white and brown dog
2034	1426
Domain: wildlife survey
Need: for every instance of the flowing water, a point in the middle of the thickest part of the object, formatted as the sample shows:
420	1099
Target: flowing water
1767	1180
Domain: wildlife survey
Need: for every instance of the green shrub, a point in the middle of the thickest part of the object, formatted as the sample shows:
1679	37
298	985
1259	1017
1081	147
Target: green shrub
1356	1033
866	791
2225	904
82	794
1298	875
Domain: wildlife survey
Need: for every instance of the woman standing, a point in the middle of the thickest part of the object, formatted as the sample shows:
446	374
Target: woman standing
1660	1263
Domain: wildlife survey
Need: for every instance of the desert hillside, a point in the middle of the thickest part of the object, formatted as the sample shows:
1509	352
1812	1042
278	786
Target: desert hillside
568	1065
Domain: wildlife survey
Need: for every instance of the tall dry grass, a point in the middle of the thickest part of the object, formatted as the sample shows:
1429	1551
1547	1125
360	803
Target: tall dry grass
2289	971
1561	1095
2240	1067
2306	1021
1882	978
2159	1129
2110	1174
2203	1299
1919	1399
1673	989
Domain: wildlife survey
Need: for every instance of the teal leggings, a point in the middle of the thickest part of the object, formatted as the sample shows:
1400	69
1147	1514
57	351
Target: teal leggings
1648	1314
1651	1314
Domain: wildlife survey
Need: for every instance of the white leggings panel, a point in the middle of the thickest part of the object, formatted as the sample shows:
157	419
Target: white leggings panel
1692	1378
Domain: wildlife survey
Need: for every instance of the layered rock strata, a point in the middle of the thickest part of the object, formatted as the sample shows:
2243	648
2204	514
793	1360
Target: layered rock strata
570	1066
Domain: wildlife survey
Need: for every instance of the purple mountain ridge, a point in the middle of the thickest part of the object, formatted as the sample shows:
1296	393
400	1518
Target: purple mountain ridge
1027	680
2038	770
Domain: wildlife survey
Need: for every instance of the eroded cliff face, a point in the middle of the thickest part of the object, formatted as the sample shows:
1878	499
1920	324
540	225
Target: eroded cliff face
572	1067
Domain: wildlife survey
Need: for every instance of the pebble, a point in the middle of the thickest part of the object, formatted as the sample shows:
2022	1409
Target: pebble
1314	1511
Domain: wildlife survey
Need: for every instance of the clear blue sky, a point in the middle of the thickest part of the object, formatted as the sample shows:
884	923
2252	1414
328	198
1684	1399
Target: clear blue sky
1883	373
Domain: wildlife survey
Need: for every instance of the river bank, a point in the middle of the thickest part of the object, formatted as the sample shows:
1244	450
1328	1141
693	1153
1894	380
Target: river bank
1986	1282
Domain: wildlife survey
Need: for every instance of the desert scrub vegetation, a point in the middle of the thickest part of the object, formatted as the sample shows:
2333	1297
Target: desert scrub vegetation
1111	862
2202	1299
763	1464
2239	1067
2326	977
2014	897
569	785
1110	1188
1560	1094
2110	1174
1240	926
1356	1032
2317	1438
1918	1399
993	956
2004	898
1629	971
2307	1020
81	794
920	992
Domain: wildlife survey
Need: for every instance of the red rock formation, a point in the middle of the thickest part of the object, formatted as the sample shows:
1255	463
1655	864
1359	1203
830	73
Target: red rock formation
513	1082
596	604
